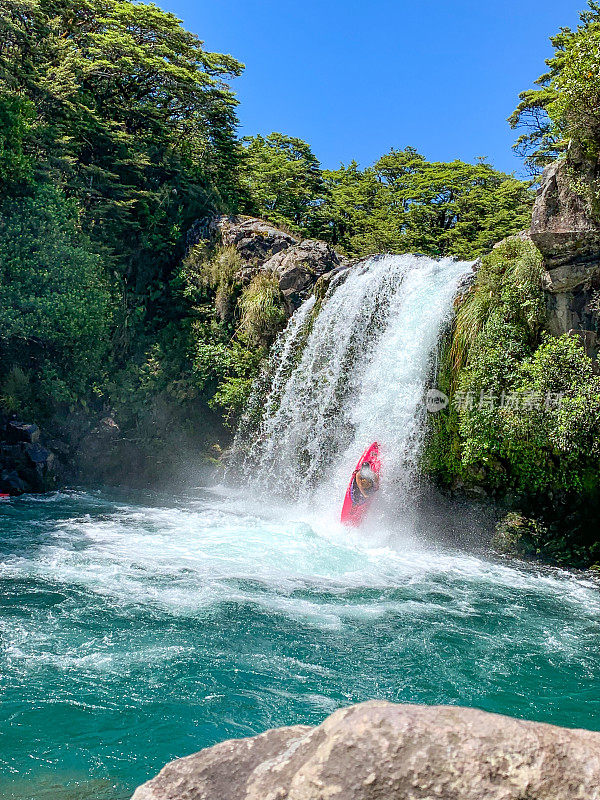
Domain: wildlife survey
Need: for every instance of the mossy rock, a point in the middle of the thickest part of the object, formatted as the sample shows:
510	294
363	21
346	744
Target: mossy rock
518	535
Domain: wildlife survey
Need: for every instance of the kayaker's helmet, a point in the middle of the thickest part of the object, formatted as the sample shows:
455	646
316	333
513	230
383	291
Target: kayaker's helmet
367	474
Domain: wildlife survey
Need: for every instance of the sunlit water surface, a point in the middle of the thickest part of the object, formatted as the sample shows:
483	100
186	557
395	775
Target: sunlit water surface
136	630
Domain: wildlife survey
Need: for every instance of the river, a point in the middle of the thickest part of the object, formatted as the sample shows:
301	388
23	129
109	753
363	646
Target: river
135	629
139	628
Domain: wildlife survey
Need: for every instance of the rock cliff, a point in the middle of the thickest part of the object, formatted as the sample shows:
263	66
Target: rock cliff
382	751
567	233
264	248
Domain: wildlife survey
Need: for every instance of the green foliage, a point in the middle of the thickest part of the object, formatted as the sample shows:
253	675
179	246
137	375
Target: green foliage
401	204
576	108
524	418
496	327
16	118
565	106
262	310
525	408
407	204
507	290
132	114
213	275
556	445
16	391
518	535
122	110
282	177
55	306
236	370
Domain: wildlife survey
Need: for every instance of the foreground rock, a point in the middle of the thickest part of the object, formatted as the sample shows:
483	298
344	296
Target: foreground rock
382	751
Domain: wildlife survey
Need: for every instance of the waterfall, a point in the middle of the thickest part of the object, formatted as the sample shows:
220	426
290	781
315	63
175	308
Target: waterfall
347	371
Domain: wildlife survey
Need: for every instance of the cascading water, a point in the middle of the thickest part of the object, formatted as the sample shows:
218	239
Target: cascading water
350	374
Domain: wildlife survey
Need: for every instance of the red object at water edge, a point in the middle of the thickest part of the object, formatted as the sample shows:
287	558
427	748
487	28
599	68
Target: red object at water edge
4	496
353	513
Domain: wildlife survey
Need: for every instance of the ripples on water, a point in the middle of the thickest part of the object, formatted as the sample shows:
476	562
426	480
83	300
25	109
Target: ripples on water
135	632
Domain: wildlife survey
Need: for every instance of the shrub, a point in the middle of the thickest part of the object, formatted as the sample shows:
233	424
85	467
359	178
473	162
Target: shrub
55	305
262	310
525	415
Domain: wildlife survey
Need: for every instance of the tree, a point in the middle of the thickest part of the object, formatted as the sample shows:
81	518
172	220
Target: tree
407	204
565	106
55	305
16	120
134	118
283	179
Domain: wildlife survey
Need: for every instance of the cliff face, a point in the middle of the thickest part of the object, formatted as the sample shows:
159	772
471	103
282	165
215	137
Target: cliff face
382	751
568	235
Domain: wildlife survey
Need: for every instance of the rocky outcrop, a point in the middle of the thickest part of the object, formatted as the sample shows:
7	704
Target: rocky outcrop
300	266
567	234
264	248
381	751
561	225
101	453
253	238
26	465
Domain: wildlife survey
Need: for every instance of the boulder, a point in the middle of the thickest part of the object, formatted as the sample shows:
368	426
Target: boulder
562	227
98	454
263	247
12	483
22	432
299	267
255	239
382	751
518	535
38	456
25	464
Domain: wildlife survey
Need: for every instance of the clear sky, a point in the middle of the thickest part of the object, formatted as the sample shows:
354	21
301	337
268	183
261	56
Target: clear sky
356	78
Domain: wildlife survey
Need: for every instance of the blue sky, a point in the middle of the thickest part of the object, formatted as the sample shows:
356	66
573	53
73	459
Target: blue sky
354	79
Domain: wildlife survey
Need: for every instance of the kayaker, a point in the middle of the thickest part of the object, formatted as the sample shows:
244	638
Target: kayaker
364	484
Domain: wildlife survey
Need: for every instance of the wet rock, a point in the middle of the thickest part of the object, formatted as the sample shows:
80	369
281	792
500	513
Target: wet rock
25	464
518	535
382	751
99	454
38	456
22	432
12	483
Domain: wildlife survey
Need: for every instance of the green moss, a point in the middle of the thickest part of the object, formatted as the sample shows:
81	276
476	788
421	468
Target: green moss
518	535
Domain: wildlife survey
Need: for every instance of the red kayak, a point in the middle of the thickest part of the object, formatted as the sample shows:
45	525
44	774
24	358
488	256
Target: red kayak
353	513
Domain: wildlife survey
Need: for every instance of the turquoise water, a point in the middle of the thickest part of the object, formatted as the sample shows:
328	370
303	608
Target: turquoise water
137	630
